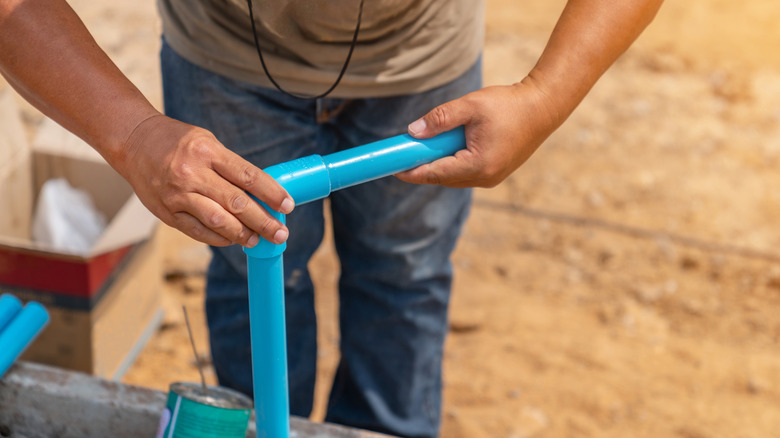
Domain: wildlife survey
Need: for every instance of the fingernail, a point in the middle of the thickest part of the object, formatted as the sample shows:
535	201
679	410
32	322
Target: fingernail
418	126
252	241
287	205
280	236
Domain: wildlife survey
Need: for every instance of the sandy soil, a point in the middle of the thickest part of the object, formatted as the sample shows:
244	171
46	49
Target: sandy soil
624	281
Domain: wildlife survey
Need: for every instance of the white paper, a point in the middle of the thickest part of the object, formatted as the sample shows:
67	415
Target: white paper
66	219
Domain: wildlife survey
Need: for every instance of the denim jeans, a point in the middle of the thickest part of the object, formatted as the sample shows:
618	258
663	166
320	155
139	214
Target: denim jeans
393	240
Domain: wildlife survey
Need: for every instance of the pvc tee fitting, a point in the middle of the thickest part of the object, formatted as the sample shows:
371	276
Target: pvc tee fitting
308	179
314	177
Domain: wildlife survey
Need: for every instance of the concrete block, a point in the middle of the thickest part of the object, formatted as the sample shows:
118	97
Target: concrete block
38	401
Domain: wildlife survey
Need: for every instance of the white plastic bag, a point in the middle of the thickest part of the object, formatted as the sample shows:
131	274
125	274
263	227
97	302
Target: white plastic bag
66	219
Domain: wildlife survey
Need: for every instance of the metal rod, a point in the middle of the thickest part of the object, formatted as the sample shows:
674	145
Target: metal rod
194	350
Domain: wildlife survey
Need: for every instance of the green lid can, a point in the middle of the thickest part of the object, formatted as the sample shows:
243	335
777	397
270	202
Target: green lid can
218	413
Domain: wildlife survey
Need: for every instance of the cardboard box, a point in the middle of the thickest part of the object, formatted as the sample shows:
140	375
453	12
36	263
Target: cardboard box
56	153
104	304
104	336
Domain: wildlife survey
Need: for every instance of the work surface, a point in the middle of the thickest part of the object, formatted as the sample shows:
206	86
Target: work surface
43	402
625	281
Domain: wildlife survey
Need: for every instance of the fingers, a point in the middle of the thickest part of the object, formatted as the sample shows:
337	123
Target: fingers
249	178
455	171
235	177
186	223
238	217
192	227
443	118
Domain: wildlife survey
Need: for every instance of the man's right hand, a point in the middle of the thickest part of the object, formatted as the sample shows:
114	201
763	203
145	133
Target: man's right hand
188	179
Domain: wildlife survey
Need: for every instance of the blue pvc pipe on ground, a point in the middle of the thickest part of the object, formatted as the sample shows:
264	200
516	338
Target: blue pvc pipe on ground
9	307
20	332
307	179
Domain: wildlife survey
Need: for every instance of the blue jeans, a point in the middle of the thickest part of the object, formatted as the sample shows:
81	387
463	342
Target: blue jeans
393	240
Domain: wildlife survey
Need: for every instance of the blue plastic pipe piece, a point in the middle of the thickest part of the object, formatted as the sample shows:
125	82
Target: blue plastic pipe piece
315	177
269	347
268	337
308	179
20	332
9	307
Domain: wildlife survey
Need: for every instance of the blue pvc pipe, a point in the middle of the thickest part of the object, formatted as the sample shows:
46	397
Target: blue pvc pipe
269	347
20	332
315	177
9	307
268	338
308	179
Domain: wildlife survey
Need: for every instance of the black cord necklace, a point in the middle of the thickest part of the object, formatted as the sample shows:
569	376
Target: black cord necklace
343	68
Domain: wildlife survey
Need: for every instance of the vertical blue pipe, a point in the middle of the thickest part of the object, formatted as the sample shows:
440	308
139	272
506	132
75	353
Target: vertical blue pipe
268	337
20	332
307	179
9	307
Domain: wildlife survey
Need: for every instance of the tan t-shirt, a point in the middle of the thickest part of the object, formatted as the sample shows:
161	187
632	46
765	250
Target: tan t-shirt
404	46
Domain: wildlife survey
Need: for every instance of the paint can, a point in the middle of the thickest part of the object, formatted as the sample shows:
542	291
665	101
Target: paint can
218	413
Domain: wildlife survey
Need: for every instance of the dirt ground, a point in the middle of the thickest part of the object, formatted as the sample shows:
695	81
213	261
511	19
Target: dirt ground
622	283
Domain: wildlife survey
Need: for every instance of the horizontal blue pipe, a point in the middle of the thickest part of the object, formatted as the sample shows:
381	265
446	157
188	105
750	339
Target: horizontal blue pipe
315	177
20	332
9	307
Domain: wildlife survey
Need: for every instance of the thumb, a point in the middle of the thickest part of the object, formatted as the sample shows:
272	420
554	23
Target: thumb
443	118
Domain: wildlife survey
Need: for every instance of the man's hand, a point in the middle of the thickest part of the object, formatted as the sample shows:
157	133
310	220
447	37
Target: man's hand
504	126
193	183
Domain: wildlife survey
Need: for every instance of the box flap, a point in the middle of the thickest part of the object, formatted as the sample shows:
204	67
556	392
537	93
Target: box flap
51	138
15	174
131	224
16	205
13	140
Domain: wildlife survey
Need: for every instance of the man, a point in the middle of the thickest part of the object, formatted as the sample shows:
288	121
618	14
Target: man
239	70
